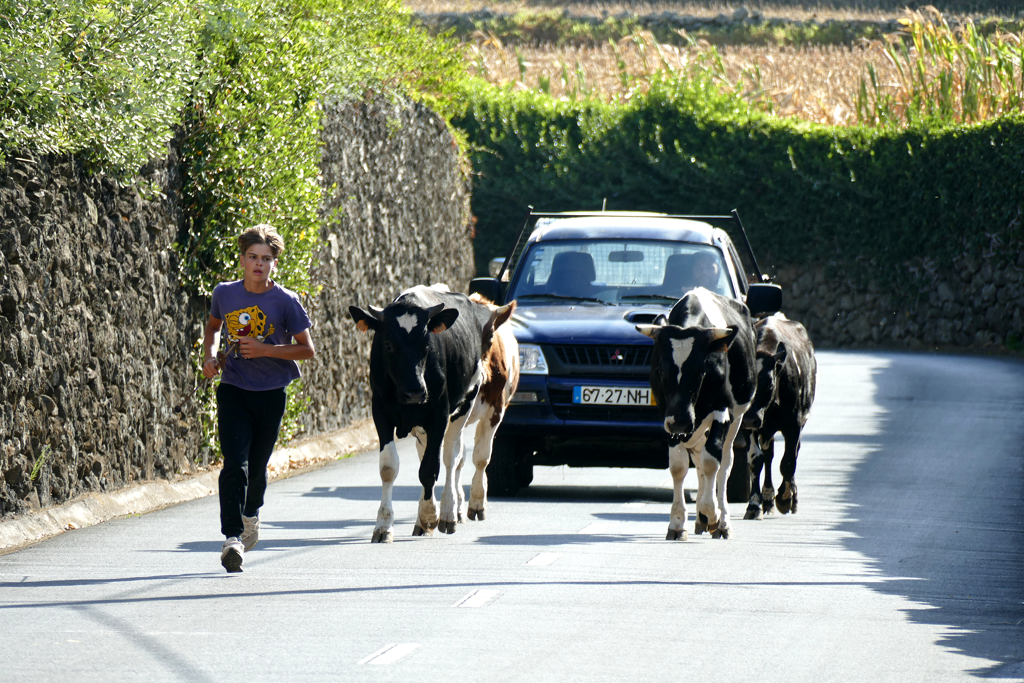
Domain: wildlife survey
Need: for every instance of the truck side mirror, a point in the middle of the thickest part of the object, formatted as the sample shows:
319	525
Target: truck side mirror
487	287
764	299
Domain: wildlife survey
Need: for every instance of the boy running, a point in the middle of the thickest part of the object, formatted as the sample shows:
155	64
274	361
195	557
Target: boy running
263	318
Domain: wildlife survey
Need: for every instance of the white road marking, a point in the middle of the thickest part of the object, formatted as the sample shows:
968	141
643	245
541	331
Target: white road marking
543	559
477	598
390	653
637	503
597	528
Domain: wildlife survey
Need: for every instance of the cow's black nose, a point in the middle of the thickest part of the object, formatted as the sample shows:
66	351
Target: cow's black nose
414	397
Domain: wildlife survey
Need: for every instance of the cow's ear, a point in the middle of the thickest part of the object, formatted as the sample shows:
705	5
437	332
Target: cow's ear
649	330
502	315
499	317
780	354
721	338
366	321
442	321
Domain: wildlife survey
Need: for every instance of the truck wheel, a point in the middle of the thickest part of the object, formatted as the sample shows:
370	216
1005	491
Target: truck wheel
524	473
502	478
737	488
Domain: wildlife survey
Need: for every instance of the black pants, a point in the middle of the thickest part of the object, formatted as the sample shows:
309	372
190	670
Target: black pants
248	422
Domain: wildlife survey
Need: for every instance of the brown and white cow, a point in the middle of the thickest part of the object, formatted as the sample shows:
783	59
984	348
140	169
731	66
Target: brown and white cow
500	378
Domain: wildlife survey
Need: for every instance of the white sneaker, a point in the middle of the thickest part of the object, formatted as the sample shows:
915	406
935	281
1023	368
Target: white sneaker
231	555
250	532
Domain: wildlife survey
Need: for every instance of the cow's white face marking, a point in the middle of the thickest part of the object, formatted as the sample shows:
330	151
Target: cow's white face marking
681	349
407	322
711	308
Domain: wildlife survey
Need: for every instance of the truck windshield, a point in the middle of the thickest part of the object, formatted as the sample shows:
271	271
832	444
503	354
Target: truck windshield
618	270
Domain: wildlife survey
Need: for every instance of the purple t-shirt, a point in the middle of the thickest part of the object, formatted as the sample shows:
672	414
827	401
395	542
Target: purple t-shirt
273	317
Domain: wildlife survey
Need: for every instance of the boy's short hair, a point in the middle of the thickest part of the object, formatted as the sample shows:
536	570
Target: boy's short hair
263	233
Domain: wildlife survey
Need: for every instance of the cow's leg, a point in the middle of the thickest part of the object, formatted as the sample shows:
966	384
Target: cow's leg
452	453
709	468
383	532
767	447
786	500
678	464
482	445
721	482
430	467
755	459
701	523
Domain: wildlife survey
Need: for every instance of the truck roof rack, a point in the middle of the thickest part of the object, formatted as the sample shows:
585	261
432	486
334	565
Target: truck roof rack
732	219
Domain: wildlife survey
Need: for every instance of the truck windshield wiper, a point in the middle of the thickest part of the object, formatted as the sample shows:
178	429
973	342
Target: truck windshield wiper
633	297
562	297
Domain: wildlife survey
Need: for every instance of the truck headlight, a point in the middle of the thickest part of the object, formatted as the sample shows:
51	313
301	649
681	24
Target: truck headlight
531	360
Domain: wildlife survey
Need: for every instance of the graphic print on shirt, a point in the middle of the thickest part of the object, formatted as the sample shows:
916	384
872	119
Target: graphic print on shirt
248	322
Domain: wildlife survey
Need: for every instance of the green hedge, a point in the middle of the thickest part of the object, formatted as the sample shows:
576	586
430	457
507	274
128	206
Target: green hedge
807	193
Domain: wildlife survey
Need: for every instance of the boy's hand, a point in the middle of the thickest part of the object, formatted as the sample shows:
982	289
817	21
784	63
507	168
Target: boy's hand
211	368
250	347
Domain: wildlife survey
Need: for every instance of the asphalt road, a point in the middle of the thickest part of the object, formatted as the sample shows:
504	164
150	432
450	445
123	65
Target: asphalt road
904	563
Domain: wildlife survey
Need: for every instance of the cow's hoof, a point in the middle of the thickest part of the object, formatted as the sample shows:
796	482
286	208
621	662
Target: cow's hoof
383	536
753	512
699	528
478	515
420	531
676	535
783	504
446	527
460	519
725	533
713	528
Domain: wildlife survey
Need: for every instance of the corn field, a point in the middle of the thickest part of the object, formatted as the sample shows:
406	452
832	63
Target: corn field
929	71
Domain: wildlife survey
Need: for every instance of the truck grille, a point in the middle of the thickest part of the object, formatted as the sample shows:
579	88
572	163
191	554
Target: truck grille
565	409
611	356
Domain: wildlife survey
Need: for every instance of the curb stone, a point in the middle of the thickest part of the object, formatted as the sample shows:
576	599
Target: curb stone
145	497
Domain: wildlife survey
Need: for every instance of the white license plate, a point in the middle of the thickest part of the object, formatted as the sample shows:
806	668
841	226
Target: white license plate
613	396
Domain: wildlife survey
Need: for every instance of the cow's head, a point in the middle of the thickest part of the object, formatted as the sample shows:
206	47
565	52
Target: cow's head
768	366
685	358
401	335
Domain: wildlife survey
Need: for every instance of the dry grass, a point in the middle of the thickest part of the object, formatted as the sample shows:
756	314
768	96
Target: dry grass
860	11
818	84
952	75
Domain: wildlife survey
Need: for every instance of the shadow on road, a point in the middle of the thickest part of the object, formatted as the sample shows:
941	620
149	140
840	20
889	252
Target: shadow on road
597	494
403	493
960	555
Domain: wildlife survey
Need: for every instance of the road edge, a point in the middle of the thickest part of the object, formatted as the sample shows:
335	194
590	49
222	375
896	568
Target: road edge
150	496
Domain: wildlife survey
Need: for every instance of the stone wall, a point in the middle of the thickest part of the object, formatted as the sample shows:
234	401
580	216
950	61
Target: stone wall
977	304
398	215
96	334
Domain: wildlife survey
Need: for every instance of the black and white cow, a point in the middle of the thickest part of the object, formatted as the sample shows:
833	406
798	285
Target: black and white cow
702	376
786	373
425	375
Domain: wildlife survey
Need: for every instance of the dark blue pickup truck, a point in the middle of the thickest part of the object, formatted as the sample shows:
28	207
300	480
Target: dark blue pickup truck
582	282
